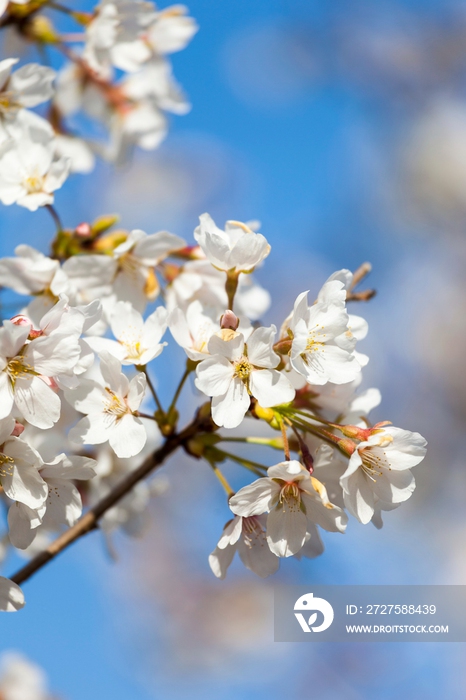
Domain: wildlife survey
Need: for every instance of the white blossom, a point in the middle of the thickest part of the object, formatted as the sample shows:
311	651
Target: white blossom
322	348
247	537
294	500
137	341
30	172
109	407
236	371
237	248
379	468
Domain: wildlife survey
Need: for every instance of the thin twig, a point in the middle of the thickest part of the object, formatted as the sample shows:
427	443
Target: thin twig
89	521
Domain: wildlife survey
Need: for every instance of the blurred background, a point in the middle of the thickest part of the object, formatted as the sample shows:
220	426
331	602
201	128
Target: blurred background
342	128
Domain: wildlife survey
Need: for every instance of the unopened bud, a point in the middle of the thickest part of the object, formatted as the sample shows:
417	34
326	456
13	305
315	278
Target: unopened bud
83	230
229	320
18	429
20	320
347	446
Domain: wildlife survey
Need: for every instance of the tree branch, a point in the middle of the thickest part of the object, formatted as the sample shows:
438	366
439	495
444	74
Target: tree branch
89	521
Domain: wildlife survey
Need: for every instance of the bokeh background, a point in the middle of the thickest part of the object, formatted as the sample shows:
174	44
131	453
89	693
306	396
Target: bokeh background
342	127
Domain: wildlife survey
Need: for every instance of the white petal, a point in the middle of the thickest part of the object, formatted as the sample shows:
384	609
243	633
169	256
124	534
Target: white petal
229	410
286	529
128	436
253	499
270	387
11	596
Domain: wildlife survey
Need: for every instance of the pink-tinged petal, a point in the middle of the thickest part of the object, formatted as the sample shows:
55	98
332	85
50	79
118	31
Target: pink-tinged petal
220	560
229	410
253	499
286	529
270	388
214	375
37	402
128	436
11	596
260	350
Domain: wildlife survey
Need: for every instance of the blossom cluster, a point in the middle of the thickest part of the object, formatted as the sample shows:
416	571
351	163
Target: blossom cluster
118	75
81	360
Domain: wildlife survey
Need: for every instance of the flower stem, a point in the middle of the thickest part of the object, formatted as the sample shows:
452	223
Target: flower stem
228	490
286	446
231	285
55	217
247	463
180	386
152	389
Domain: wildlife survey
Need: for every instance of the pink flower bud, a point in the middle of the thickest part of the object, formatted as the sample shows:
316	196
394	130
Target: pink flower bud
20	320
18	429
229	320
83	230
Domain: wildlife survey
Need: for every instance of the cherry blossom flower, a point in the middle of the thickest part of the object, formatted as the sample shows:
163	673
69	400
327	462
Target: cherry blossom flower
19	468
294	500
322	348
110	406
192	330
63	505
379	468
237	248
137	341
28	86
128	273
247	537
30	172
236	371
25	370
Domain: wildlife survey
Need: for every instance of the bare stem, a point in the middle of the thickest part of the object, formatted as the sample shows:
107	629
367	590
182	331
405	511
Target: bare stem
152	388
286	447
55	217
180	386
89	521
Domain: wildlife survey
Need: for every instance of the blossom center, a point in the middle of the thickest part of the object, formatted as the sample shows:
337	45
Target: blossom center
373	462
34	183
17	368
290	495
243	369
6	465
115	406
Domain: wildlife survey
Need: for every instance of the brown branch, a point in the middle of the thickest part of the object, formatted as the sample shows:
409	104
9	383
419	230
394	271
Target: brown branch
89	521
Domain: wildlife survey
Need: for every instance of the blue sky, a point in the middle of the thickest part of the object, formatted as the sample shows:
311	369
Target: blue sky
290	125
